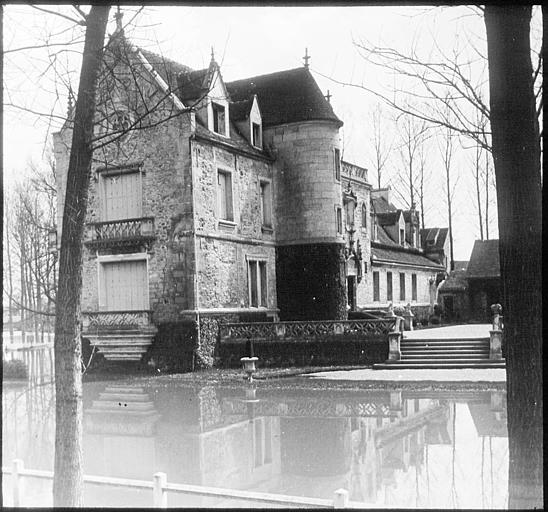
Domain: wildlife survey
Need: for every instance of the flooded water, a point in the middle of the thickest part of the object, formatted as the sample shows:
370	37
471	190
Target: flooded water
399	449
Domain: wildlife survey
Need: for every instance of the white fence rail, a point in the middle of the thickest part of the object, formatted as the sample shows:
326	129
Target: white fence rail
160	489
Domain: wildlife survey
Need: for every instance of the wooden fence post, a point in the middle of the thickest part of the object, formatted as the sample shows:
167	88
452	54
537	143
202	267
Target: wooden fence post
16	482
159	495
341	499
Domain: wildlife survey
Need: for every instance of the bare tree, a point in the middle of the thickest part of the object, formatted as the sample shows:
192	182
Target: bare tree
68	476
444	89
516	152
382	147
407	180
447	150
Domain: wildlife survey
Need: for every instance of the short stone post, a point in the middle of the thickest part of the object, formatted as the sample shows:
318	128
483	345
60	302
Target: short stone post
16	482
159	494
495	341
341	499
396	401
408	318
280	330
496	401
394	353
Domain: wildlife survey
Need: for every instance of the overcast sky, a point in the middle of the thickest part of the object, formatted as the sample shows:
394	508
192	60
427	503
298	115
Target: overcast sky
250	41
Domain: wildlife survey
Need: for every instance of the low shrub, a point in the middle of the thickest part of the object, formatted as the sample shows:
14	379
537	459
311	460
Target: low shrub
15	369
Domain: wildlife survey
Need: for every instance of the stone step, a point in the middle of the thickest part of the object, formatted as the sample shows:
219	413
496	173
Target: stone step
436	348
446	346
430	357
444	340
441	364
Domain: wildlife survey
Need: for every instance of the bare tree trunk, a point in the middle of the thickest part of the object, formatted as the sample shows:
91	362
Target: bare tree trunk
487	195
8	219
68	477
477	175
516	153
447	156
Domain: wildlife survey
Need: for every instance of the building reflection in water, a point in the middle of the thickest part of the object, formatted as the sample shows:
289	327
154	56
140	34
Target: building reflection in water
397	449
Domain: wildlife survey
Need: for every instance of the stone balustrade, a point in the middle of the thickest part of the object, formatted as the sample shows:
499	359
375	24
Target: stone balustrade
316	330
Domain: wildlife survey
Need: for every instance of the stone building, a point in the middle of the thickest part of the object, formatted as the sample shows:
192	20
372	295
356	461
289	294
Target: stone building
214	201
401	272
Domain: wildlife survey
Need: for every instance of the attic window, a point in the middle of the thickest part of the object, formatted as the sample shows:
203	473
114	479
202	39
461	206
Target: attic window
402	236
218	118
256	135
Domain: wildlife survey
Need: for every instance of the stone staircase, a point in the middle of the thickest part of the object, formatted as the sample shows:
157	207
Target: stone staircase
447	353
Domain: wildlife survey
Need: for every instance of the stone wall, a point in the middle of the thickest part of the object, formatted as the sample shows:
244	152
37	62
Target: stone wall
423	287
223	249
307	191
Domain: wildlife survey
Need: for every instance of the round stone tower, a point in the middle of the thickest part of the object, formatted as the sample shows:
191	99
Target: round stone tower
310	245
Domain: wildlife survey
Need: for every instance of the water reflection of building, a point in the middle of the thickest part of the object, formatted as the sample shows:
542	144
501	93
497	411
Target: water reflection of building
303	443
120	429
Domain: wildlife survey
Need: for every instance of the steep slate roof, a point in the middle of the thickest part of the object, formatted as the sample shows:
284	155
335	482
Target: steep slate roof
456	282
239	110
461	264
285	97
388	218
437	237
381	205
384	238
168	69
192	84
406	257
484	260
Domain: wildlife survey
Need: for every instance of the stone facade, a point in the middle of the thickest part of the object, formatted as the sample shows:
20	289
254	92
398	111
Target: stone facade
240	207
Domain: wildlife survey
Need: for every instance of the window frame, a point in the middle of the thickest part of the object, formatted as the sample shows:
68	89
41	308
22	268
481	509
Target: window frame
259	265
256	141
402	286
338	220
228	196
337	163
216	109
376	286
414	287
389	287
265	193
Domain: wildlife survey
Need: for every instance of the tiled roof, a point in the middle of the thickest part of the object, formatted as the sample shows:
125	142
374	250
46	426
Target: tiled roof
484	260
235	140
381	205
384	238
434	238
388	218
402	257
239	110
456	282
285	97
192	84
168	69
461	265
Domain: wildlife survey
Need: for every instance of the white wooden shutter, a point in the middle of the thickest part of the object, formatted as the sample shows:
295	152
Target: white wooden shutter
125	285
123	196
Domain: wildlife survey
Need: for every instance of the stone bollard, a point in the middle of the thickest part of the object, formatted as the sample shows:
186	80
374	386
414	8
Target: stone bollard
159	495
394	353
495	340
396	402
408	318
341	499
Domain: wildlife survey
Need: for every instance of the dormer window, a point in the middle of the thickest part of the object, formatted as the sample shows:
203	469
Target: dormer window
218	118
402	236
256	135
